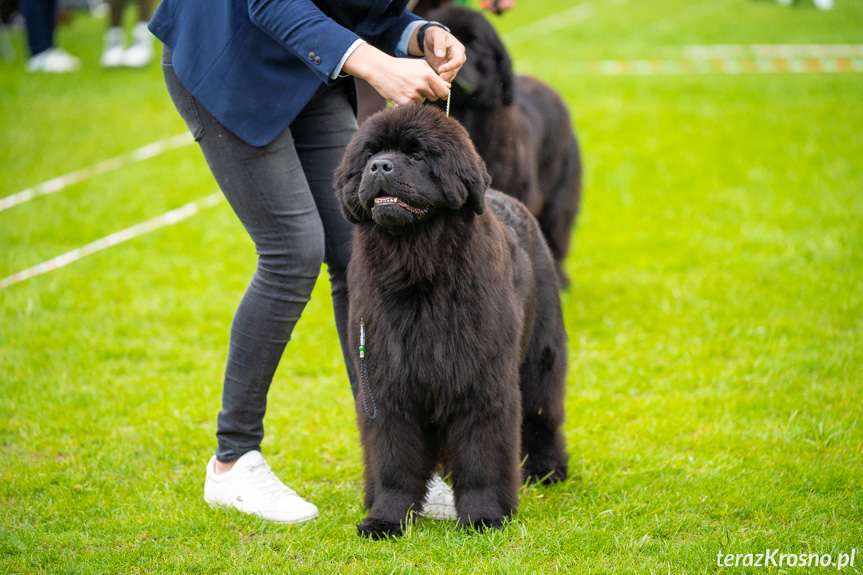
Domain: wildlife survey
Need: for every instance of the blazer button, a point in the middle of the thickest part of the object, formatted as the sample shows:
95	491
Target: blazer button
312	56
317	59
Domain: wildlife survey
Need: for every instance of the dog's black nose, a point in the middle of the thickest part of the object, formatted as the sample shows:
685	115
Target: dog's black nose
382	165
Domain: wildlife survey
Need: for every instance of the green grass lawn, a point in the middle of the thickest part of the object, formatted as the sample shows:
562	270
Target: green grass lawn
715	324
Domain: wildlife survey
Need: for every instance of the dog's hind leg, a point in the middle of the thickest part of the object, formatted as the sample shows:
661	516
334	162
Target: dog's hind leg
561	185
543	382
400	459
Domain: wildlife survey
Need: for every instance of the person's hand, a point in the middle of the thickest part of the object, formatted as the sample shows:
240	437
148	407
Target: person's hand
400	80
498	6
444	53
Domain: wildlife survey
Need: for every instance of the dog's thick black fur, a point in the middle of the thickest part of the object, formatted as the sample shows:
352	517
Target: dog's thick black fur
465	343
520	126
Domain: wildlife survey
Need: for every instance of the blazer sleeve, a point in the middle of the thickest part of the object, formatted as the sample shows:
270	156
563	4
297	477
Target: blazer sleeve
385	31
318	40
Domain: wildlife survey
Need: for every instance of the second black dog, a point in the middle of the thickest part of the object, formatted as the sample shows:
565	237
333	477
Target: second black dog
521	128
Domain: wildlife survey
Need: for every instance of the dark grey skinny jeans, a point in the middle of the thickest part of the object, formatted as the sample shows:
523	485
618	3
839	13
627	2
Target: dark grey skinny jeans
283	195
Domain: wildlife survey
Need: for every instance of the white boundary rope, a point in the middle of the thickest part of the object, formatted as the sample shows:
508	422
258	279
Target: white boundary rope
550	24
66	180
167	219
772	51
554	22
699	67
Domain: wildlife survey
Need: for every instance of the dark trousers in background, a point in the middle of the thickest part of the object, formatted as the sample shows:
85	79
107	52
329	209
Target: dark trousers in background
283	195
41	18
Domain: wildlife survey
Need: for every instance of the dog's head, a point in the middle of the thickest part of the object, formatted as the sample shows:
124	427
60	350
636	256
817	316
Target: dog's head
408	164
486	79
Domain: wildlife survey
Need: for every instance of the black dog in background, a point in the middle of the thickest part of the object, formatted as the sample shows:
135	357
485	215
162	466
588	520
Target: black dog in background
465	348
520	127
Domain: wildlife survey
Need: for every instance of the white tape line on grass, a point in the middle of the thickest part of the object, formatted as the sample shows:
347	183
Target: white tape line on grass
166	219
554	22
696	67
773	51
670	22
550	24
60	182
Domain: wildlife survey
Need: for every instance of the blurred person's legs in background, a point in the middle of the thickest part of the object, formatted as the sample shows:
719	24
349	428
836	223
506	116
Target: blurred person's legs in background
40	17
140	53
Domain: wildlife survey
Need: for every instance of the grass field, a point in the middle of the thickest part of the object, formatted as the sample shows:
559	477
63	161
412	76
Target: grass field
715	322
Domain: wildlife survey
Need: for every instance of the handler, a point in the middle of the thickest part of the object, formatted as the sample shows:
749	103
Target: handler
264	87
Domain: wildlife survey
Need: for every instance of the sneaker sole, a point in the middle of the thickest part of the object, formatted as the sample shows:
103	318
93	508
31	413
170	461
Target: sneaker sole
291	521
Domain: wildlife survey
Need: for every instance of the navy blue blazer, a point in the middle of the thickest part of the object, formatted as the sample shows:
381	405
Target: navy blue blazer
255	64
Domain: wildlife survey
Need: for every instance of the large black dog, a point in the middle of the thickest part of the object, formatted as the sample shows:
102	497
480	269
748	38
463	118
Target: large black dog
465	348
520	127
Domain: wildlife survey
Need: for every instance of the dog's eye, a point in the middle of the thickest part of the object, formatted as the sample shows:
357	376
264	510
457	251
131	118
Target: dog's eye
416	157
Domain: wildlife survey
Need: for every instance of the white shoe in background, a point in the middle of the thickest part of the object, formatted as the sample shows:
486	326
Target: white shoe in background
440	501
252	487
53	60
140	53
824	4
112	54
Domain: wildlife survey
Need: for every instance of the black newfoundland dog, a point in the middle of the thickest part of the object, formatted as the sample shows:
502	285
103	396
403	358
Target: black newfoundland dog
520	127
454	289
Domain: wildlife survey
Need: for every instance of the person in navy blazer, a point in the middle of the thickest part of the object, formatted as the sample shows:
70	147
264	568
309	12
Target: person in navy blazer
254	65
266	87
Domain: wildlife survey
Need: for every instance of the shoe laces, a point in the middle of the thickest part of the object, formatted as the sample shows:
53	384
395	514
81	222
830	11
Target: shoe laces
267	484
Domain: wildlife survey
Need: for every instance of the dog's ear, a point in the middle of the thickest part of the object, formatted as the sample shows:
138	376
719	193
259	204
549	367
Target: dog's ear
346	181
462	172
476	188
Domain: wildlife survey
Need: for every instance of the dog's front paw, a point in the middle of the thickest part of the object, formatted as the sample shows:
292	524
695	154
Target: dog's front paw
376	529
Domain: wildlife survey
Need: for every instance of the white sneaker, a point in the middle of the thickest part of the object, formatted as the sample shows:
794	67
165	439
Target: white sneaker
112	55
53	60
140	53
439	502
251	487
824	4
100	10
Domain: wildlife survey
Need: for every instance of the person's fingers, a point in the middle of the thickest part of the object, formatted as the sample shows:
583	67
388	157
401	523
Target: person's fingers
439	87
444	48
400	100
405	81
448	76
449	72
441	47
444	52
435	42
429	87
454	57
497	6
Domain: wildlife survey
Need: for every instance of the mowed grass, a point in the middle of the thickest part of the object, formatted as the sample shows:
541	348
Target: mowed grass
715	323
